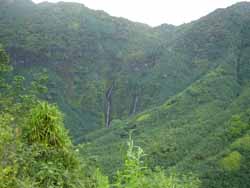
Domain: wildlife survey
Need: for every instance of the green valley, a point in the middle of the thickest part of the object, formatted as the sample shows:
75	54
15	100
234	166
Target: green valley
182	92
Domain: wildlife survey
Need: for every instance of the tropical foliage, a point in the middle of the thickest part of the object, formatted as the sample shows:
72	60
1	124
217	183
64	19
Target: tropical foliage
183	90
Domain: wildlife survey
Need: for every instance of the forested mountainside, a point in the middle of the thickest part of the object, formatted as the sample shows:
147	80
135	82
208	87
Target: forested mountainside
184	91
88	52
36	151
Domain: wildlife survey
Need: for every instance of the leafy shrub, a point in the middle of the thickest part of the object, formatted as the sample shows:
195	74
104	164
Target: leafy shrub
237	126
45	126
232	161
242	143
136	174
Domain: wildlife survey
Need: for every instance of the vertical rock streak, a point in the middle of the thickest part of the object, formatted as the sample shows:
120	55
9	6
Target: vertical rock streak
108	106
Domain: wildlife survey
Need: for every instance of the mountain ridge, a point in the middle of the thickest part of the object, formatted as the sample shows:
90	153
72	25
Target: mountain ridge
147	55
183	90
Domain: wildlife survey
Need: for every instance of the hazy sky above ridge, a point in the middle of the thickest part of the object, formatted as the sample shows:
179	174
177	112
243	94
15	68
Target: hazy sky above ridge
155	12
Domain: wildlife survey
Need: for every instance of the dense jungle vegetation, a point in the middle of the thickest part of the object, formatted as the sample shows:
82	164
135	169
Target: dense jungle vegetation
37	152
94	101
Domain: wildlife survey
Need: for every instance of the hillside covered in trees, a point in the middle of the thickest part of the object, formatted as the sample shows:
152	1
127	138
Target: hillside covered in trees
182	92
